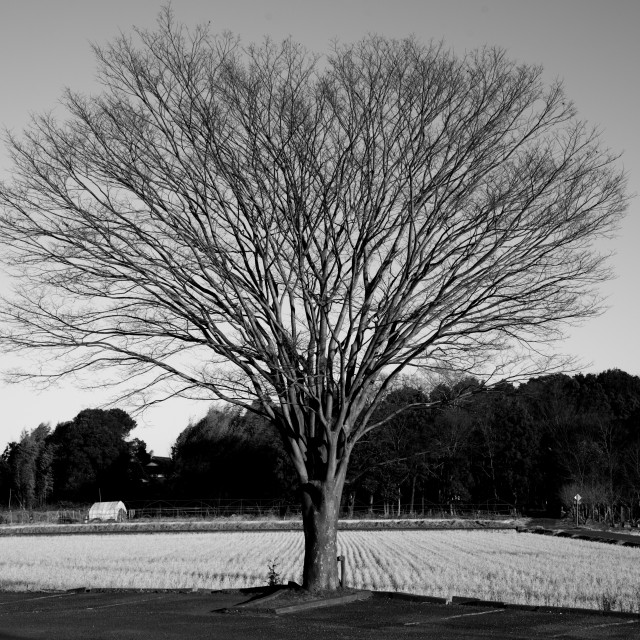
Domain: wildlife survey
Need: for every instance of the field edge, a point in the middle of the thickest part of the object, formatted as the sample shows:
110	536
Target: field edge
251	525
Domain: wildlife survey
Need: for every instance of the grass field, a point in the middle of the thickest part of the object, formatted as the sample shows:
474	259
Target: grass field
495	565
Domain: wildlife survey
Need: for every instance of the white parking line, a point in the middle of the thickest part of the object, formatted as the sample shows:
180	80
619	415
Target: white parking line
122	603
56	595
599	626
462	615
616	624
477	613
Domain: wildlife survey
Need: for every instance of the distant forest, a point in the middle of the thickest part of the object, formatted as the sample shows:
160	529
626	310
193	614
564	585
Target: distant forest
532	447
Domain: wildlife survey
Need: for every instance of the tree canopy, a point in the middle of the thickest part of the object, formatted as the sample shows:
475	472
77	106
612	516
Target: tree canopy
78	461
91	455
231	454
26	467
314	224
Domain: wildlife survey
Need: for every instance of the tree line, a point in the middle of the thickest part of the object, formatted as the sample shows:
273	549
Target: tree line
79	461
532	447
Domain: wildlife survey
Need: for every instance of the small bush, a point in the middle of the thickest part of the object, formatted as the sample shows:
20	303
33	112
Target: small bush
273	577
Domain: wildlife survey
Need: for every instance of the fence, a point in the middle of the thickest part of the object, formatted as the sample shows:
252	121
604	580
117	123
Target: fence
425	509
257	508
205	509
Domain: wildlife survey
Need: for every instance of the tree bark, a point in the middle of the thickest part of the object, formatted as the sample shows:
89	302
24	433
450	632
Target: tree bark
320	509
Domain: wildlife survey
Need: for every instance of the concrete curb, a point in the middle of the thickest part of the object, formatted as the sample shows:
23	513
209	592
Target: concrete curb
327	602
410	597
477	602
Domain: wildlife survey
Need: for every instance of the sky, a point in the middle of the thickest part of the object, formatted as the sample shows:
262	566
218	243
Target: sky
591	45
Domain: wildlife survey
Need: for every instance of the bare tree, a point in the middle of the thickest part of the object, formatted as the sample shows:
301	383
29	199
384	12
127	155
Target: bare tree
316	223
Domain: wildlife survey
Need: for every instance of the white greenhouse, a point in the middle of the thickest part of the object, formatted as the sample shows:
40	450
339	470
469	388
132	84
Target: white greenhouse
105	511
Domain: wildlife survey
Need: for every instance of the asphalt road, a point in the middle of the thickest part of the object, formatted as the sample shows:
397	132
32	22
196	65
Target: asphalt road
195	616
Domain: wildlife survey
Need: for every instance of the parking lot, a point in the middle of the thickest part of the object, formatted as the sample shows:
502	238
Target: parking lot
150	615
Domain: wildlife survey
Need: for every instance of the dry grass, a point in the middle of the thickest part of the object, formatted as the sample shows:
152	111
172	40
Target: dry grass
495	565
500	565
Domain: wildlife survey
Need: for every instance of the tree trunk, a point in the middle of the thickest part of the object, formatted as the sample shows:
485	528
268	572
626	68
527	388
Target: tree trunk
352	502
413	495
320	508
